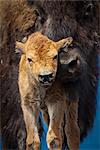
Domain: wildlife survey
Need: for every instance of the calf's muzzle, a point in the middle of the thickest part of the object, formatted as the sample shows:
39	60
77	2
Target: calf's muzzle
46	79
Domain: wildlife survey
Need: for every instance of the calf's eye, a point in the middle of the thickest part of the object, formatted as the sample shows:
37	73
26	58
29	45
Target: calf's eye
55	57
29	60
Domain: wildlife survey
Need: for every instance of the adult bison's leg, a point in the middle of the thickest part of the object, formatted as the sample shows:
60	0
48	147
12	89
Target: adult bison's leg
54	135
72	130
30	116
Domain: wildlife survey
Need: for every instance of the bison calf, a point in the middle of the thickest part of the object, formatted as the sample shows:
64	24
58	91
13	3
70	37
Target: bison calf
37	72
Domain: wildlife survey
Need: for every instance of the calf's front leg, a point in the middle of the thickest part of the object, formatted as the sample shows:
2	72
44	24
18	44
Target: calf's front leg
54	135
31	113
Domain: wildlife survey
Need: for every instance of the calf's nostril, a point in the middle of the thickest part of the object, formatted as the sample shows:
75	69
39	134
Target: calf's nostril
50	75
41	76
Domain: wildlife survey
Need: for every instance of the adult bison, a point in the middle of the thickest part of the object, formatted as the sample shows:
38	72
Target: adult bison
56	19
67	18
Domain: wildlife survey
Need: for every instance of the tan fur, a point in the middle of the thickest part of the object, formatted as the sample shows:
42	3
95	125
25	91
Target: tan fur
34	96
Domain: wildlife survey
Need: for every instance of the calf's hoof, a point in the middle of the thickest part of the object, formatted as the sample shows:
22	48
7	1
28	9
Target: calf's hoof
33	144
53	141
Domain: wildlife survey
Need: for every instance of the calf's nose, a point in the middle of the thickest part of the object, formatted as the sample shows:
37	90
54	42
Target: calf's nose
46	78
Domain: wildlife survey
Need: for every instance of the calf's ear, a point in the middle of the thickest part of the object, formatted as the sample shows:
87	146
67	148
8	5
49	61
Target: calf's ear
64	43
19	48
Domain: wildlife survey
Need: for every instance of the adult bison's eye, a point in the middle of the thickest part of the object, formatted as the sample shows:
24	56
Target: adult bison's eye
29	60
55	57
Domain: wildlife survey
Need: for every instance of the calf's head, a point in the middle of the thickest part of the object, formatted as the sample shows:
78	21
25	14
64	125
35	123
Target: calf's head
41	56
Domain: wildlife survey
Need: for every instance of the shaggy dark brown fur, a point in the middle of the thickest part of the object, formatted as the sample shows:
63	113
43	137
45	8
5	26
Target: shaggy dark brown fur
17	21
56	19
81	21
